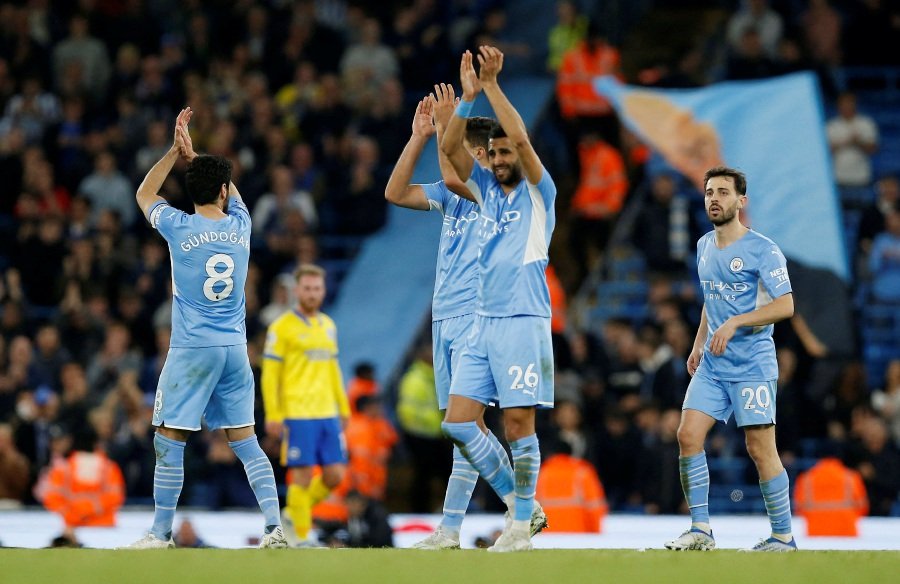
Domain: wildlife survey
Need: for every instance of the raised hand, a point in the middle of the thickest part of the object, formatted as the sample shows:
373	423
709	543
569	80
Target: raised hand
422	124
182	136
444	101
490	60
471	85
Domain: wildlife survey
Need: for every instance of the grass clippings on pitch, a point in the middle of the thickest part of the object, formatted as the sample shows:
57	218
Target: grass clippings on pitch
219	566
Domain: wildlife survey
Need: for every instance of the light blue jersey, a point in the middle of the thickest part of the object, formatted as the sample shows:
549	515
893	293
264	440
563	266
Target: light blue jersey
209	270
456	278
747	274
514	231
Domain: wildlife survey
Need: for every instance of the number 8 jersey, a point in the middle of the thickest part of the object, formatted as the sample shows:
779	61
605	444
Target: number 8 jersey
209	270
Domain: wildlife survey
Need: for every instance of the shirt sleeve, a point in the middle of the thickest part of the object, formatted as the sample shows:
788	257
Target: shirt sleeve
547	188
237	208
773	271
438	195
163	217
270	382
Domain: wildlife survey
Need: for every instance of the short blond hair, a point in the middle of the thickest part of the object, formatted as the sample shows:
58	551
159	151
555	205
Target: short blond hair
308	270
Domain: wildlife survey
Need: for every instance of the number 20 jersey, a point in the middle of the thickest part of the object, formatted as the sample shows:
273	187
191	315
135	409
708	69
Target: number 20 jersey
209	270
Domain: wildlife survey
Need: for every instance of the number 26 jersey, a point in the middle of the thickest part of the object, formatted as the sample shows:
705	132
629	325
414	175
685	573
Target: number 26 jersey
209	270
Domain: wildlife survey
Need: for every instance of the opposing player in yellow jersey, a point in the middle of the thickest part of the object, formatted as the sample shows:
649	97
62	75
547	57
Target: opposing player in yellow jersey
304	398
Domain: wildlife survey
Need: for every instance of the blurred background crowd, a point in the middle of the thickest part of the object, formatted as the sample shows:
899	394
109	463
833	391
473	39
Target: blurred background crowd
312	101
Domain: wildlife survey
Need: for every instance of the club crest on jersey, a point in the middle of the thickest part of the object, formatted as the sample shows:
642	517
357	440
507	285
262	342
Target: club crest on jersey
736	265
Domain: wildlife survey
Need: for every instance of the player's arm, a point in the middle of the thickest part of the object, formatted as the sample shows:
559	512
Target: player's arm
699	342
491	61
452	142
779	309
399	191
444	103
340	394
147	194
270	382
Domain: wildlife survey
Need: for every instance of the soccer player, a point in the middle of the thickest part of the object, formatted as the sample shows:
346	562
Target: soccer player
746	289
455	289
207	372
304	399
508	357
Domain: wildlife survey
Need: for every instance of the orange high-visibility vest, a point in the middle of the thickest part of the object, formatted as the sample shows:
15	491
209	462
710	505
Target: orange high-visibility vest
571	494
574	84
557	301
831	497
369	444
604	183
86	488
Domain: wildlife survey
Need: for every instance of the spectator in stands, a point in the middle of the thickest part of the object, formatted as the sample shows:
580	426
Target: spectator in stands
884	260
822	25
114	357
32	110
571	493
367	64
601	192
758	15
853	138
569	30
39	258
14	470
271	209
108	188
569	429
363	383
657	468
73	410
562	352
887	191
665	228
80	61
186	536
886	401
49	356
749	59
878	461
663	375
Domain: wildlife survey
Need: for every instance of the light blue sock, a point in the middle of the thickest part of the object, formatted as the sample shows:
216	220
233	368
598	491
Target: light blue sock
477	449
695	484
168	478
526	463
504	458
459	491
777	496
262	479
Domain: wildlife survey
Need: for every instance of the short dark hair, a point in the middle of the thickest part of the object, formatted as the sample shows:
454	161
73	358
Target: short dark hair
205	176
478	130
740	180
497	132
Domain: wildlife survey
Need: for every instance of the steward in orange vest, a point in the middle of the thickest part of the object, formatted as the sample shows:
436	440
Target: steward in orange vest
831	497
571	493
86	488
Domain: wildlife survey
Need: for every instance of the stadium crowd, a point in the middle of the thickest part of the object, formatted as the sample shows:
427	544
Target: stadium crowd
310	100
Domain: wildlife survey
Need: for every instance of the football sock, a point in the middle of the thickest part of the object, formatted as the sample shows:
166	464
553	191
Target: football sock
477	448
777	496
318	492
459	491
695	484
526	463
168	478
262	479
299	507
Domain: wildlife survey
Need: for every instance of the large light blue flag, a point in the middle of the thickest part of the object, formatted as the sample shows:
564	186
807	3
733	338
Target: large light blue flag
773	130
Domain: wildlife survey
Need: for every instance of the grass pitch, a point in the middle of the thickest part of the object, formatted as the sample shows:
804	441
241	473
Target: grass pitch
217	566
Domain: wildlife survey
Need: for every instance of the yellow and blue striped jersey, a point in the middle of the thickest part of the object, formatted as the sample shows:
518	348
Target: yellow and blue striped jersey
301	378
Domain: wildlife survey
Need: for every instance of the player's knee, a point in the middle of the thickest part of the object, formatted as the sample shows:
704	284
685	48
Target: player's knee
334	477
690	440
458	432
759	449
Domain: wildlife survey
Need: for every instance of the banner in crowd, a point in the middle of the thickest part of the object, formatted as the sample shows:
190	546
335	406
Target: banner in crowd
771	129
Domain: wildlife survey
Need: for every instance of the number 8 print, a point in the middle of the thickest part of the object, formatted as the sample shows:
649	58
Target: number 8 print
216	277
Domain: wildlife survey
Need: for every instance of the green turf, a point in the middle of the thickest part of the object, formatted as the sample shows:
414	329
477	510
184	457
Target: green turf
457	567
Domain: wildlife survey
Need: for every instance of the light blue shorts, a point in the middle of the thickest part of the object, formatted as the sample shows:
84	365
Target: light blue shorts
752	402
507	361
448	341
312	442
211	383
